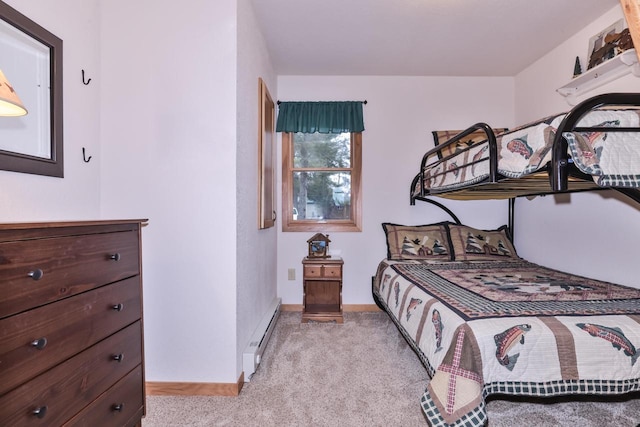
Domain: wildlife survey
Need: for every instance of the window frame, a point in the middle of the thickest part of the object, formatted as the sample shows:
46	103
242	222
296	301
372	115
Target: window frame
355	221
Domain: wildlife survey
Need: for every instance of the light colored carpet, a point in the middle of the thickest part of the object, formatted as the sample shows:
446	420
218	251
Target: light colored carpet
360	373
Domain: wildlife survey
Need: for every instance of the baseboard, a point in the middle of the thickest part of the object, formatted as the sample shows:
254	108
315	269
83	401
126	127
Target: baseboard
291	307
359	307
345	307
158	388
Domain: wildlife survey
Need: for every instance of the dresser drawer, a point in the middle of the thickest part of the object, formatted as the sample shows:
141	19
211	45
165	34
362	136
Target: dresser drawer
39	271
121	405
61	392
34	341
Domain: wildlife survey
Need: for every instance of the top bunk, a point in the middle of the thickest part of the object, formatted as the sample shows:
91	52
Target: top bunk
595	146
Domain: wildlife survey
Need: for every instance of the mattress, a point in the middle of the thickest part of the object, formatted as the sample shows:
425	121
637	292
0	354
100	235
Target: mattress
512	327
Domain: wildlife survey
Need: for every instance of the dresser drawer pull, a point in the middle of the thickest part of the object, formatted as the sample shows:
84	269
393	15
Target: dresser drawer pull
115	257
40	412
40	343
118	357
118	407
118	307
36	274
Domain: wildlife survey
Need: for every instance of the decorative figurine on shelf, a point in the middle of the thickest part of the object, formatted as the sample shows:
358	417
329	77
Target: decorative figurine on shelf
615	44
319	246
577	69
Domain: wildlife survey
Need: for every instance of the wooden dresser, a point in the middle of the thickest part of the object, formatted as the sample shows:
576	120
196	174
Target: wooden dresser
322	294
71	343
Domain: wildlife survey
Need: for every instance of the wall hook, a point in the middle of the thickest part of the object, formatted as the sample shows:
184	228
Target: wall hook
86	82
84	156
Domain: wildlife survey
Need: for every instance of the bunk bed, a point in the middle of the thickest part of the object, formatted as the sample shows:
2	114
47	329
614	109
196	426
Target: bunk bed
485	321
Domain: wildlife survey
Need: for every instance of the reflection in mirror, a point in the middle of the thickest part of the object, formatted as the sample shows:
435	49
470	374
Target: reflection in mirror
25	63
31	62
10	104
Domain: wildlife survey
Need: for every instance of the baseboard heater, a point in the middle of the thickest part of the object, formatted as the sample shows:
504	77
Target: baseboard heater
253	353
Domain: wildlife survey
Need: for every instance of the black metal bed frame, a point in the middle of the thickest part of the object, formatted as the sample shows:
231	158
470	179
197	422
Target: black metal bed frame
561	166
558	170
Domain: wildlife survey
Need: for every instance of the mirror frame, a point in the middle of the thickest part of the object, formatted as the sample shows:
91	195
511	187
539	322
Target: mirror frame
17	162
266	158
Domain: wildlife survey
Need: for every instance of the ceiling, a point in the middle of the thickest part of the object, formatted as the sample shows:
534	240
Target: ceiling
418	37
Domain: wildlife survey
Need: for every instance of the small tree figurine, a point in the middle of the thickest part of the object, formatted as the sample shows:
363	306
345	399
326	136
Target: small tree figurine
577	69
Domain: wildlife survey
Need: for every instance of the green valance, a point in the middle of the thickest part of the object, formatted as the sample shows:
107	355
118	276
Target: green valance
322	117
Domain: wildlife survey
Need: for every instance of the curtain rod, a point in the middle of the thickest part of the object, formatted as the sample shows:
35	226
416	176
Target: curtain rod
364	102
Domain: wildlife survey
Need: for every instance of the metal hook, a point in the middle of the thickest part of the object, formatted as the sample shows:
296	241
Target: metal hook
84	156
86	82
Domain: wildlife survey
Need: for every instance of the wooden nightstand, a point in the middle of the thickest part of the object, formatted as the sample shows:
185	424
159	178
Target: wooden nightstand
322	281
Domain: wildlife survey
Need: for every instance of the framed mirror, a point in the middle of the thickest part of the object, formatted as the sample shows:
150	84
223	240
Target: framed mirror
266	158
31	63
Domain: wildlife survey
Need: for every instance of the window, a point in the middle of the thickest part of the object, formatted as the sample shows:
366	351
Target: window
321	185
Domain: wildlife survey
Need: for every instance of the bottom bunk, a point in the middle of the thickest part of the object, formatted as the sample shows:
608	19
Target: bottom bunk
486	322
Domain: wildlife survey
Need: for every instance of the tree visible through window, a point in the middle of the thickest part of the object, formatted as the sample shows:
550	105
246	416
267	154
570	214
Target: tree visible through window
321	181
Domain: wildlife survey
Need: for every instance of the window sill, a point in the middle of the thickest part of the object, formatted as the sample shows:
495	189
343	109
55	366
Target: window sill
317	226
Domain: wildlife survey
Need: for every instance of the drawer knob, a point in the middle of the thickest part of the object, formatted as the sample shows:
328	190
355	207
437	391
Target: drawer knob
118	307
118	407
36	274
115	257
40	343
118	357
40	412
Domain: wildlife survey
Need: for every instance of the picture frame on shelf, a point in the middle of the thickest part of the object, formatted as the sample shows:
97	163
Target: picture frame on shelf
601	50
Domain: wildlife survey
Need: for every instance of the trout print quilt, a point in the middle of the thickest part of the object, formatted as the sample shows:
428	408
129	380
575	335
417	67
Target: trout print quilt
512	328
611	158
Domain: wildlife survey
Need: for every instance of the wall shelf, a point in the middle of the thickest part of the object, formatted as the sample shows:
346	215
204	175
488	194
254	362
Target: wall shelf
614	68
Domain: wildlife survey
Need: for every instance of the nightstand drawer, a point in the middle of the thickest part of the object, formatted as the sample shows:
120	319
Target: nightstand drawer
332	271
313	271
40	271
322	270
34	341
63	391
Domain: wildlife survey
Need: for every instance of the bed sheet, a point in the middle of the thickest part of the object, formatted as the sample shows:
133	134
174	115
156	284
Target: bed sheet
512	328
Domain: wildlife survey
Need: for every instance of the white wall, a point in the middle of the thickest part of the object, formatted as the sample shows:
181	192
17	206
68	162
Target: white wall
169	133
399	117
25	197
588	234
257	251
536	86
166	114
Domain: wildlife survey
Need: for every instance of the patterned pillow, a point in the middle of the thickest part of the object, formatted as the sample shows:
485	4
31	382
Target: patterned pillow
417	241
470	244
442	136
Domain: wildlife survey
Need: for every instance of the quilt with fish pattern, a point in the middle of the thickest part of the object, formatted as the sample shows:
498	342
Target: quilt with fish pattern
612	159
513	328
